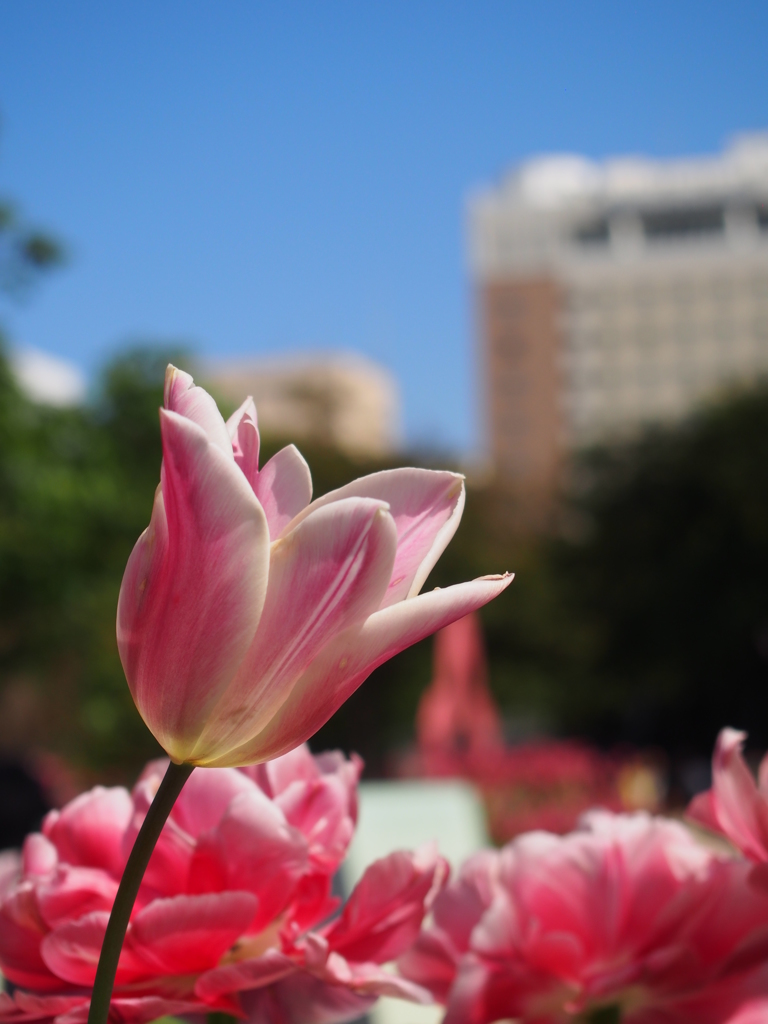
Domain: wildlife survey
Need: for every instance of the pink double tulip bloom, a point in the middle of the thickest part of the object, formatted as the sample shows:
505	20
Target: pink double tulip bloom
248	613
627	919
229	915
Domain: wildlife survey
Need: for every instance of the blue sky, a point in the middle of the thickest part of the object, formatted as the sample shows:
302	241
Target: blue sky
258	177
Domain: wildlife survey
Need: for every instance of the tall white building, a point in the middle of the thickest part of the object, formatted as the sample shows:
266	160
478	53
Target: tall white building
616	294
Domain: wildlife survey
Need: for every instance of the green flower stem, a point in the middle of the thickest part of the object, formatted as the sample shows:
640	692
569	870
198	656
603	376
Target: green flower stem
149	833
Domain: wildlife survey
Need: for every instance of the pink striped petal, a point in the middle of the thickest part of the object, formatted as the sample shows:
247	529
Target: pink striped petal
351	657
193	589
426	506
189	934
328	573
734	805
284	488
284	485
184	397
244	432
245	413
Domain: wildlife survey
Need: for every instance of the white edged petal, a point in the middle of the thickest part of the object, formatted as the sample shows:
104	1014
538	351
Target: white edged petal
187	399
426	506
324	576
351	657
284	488
194	587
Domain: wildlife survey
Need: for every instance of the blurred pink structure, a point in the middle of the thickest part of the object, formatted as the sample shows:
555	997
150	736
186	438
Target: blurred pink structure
546	784
457	721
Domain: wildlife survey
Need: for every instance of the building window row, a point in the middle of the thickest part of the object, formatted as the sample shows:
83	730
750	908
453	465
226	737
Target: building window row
670	224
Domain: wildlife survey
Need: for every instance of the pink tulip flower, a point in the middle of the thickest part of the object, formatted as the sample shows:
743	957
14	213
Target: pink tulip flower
248	614
627	919
735	806
229	915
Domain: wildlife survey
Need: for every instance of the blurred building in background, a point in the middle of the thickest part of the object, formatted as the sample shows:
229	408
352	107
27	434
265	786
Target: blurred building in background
341	400
616	294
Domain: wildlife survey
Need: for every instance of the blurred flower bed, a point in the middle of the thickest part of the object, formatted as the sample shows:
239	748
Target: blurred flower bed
546	784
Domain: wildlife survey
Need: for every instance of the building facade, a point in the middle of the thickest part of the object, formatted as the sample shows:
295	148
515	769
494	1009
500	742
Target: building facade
341	400
615	295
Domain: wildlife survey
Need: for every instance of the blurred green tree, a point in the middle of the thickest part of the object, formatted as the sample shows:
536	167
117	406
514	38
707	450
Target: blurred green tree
669	579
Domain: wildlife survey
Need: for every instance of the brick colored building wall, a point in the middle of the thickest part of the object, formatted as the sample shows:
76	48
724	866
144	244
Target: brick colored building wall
521	328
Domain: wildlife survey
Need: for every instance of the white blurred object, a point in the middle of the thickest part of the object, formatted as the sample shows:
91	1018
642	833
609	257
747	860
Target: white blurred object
398	1011
404	815
47	379
401	816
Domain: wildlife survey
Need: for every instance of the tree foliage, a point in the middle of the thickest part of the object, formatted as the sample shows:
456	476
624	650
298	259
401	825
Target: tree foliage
671	577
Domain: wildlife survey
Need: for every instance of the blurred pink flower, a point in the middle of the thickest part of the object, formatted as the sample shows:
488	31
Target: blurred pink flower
247	615
754	1011
735	806
230	913
627	919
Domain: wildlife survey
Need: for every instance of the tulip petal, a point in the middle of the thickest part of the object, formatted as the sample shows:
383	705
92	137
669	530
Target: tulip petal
193	589
304	999
323	812
246	412
39	856
189	934
10	867
734	805
20	935
244	431
371	980
74	892
253	848
72	951
284	488
351	657
89	830
324	576
426	506
383	915
247	974
136	1010
26	1006
194	403
204	797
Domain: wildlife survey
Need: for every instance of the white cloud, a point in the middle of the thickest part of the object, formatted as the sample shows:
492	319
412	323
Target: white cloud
48	379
